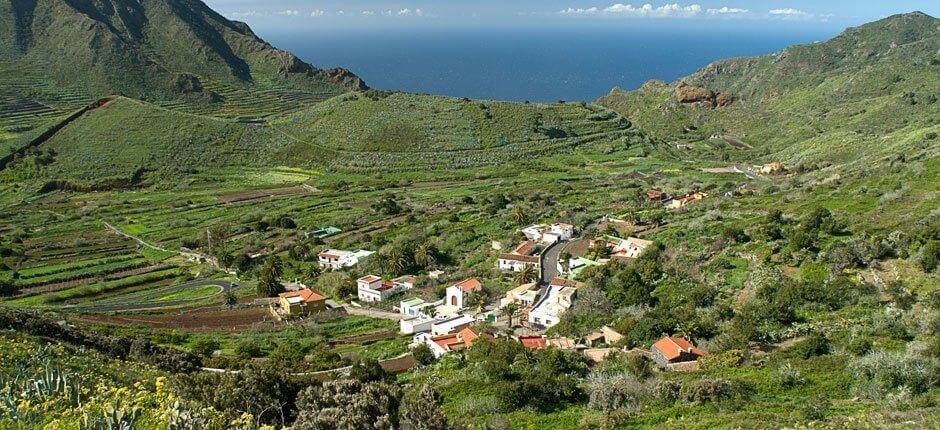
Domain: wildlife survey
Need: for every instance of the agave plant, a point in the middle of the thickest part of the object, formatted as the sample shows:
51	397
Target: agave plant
54	383
112	418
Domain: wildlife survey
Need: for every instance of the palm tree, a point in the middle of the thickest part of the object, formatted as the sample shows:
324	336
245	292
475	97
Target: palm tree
426	255
519	214
510	310
526	275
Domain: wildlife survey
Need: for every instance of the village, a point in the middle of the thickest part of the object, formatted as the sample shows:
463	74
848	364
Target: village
549	257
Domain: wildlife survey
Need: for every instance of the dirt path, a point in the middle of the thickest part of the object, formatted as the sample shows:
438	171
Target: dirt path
134	238
374	313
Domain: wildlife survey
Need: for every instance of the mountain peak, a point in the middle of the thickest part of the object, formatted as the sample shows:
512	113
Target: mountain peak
142	48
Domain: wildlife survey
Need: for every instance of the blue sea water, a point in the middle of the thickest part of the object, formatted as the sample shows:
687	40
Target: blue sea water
536	64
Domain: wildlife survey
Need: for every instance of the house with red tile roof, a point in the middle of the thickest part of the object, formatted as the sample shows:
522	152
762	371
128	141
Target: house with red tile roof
526	254
371	288
533	341
656	195
300	302
671	349
450	342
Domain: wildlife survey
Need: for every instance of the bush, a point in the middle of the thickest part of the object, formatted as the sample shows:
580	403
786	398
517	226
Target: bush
716	390
204	347
815	344
930	256
621	391
247	349
882	373
667	391
788	377
348	404
422	354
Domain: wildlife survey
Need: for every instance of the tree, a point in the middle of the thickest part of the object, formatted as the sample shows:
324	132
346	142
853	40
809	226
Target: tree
369	370
930	256
510	310
269	284
7	285
348	404
204	347
230	299
422	410
519	214
422	354
600	250
526	275
427	255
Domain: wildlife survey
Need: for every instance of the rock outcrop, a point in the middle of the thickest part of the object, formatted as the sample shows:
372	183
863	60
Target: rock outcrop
698	96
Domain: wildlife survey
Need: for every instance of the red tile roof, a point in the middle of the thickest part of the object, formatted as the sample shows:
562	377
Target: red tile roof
672	347
369	278
533	341
468	285
525	248
306	294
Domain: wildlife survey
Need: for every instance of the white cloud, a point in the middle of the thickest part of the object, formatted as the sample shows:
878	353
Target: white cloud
725	10
317	12
789	11
409	12
646	10
579	11
288	12
245	14
368	12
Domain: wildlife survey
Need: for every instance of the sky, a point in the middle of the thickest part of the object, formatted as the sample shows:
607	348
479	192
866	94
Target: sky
290	15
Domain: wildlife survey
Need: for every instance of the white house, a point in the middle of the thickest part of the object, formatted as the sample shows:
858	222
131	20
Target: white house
524	255
547	311
338	259
457	293
523	295
372	288
442	344
416	324
451	325
549	233
630	247
416	306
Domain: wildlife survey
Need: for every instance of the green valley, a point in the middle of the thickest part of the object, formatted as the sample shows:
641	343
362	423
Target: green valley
778	212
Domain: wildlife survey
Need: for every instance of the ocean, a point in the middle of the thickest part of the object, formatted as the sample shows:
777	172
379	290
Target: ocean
538	65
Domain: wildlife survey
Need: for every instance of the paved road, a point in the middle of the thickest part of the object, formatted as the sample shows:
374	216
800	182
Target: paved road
146	302
549	262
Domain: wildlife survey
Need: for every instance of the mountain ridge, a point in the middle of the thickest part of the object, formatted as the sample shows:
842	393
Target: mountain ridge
152	49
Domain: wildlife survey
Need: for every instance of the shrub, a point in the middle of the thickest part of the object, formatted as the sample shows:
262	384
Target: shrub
716	390
621	391
859	345
247	349
881	373
667	391
930	256
787	376
204	347
422	354
815	344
